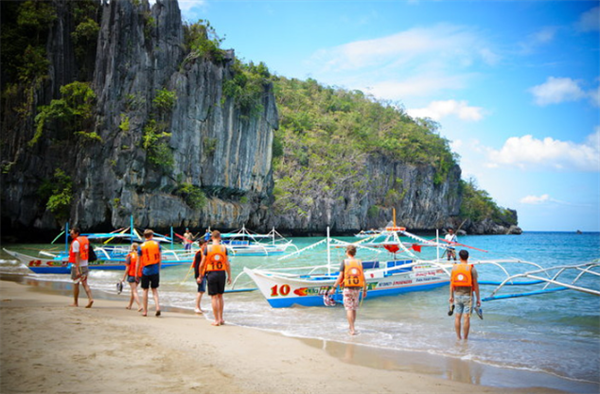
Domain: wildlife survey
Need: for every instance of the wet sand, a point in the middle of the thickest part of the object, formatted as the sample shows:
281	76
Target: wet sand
48	347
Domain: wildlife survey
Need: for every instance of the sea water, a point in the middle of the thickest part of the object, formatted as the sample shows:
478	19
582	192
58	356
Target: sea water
556	334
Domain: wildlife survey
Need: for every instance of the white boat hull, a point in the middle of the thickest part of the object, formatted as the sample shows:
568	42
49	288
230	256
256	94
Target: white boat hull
284	290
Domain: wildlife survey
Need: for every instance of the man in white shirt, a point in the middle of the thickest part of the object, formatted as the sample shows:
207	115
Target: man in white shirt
452	239
78	257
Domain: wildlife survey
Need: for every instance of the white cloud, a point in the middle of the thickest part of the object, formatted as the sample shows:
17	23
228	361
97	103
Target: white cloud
589	20
530	153
557	90
187	5
540	37
417	62
535	199
437	110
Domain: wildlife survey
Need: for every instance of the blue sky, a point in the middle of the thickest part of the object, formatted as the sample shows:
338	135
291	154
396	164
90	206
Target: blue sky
514	85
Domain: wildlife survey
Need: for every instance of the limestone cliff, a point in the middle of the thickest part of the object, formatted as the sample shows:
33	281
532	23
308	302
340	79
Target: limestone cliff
140	52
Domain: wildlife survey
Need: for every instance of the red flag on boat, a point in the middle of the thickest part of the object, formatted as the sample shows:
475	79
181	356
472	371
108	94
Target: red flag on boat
392	248
416	248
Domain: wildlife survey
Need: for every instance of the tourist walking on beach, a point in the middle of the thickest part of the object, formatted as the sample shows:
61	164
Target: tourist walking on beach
150	257
353	279
451	239
79	253
133	273
463	282
200	279
216	265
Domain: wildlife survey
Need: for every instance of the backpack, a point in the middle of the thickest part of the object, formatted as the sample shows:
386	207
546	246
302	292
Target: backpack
92	255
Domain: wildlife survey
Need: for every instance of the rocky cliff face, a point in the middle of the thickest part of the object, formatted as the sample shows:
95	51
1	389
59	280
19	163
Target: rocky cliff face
215	148
419	203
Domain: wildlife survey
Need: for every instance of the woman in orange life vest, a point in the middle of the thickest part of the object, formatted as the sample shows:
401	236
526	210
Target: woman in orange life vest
78	257
133	273
200	279
353	278
463	282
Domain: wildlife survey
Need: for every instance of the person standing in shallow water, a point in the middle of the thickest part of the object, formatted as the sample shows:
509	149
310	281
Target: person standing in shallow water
353	279
215	263
150	258
78	257
200	279
463	282
188	238
452	239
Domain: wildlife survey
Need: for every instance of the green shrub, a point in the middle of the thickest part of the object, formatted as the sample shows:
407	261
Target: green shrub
73	110
193	196
58	194
155	142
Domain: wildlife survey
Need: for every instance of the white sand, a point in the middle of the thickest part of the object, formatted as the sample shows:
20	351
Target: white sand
48	347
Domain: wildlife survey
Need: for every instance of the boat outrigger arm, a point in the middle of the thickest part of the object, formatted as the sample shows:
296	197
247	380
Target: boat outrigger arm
586	268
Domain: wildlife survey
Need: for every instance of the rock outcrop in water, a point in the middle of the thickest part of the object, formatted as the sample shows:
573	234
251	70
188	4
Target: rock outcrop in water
219	151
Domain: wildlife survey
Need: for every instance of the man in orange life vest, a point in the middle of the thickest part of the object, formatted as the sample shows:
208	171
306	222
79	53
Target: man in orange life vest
463	282
215	264
150	258
353	278
78	257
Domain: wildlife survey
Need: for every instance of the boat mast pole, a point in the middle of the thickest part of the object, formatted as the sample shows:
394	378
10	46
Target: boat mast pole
437	241
328	254
131	228
67	237
172	247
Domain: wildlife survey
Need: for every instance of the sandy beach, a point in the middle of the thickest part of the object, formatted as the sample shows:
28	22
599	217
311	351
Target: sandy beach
49	347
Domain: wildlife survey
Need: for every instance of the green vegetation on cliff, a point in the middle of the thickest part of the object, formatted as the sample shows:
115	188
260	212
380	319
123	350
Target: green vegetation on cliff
326	133
477	205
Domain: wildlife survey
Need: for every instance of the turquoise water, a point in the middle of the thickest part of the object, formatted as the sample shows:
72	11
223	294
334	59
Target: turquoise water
557	334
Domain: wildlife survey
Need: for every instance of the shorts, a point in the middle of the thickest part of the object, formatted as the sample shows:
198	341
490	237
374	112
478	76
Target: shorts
463	304
150	281
351	298
202	285
131	279
216	282
83	273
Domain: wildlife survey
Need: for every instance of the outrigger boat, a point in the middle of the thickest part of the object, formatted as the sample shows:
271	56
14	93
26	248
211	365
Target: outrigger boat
244	243
109	257
305	286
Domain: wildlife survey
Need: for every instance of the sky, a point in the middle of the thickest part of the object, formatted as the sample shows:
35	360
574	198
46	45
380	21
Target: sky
514	85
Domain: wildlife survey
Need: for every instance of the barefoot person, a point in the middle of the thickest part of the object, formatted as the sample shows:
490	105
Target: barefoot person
463	282
200	279
150	257
216	265
78	257
353	278
133	273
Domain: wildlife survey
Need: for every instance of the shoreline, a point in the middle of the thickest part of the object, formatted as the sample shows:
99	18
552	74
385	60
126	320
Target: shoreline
371	370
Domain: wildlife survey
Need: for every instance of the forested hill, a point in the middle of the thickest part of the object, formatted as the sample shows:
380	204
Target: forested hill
344	158
112	109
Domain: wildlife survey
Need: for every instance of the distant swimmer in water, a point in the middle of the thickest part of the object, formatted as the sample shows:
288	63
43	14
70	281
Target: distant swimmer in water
353	279
463	282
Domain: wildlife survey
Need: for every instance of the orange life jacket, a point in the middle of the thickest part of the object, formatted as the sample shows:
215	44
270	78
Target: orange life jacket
150	253
133	260
216	259
461	275
353	273
84	249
